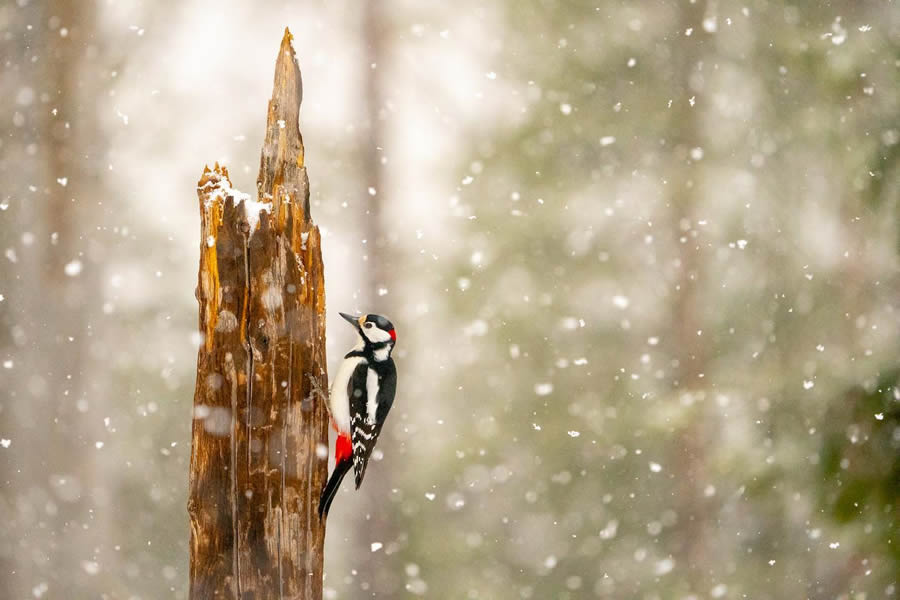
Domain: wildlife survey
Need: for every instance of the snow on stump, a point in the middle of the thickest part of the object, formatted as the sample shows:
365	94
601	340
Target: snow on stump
256	474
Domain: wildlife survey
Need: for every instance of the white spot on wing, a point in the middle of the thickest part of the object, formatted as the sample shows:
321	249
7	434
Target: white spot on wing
372	399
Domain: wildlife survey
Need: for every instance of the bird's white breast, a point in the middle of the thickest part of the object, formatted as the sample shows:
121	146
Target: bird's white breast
338	401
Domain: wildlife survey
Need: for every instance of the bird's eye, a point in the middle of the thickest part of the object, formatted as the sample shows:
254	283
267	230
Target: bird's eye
368	326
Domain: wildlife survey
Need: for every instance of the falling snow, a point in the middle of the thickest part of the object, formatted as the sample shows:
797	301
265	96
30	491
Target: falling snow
641	259
73	268
543	389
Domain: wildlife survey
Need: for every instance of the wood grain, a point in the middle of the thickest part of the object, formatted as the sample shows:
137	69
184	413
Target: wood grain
256	474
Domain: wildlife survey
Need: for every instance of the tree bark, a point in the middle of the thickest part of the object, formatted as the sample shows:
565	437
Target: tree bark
260	437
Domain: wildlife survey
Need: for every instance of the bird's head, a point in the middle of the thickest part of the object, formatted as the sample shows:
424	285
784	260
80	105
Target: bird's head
374	331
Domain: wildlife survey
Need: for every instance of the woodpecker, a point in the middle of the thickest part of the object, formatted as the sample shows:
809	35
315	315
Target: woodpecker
361	396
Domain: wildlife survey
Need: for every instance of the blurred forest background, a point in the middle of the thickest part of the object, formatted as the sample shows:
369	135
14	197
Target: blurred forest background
642	258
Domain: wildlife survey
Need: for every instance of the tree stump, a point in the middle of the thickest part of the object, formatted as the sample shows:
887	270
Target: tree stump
260	434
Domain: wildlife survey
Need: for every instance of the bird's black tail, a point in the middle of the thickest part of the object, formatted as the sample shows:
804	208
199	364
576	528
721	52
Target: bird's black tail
331	488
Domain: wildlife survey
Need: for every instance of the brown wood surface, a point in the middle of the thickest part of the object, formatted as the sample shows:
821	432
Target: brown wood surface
256	474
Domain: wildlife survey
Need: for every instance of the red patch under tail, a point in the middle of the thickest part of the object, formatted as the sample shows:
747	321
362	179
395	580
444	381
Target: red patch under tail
343	450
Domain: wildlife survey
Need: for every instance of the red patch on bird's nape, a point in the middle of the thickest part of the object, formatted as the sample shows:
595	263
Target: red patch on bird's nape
343	450
393	335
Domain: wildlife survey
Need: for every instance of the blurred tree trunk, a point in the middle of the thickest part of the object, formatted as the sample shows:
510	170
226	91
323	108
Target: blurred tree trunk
257	465
50	488
373	75
687	343
378	526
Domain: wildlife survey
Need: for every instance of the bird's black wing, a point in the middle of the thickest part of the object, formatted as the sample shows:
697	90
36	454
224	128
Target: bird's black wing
364	430
387	389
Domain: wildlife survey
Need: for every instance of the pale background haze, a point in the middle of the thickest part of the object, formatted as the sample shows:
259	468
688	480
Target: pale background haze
642	259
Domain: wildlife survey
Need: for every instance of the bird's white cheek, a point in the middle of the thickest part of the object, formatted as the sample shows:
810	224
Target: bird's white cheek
376	335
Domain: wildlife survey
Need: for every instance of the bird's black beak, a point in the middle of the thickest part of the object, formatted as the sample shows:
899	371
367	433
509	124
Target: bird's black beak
351	319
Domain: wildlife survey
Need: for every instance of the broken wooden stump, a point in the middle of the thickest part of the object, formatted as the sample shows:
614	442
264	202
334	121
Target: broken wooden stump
260	436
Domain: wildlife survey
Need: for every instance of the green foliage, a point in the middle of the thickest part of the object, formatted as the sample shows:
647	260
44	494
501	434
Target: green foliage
654	237
861	460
